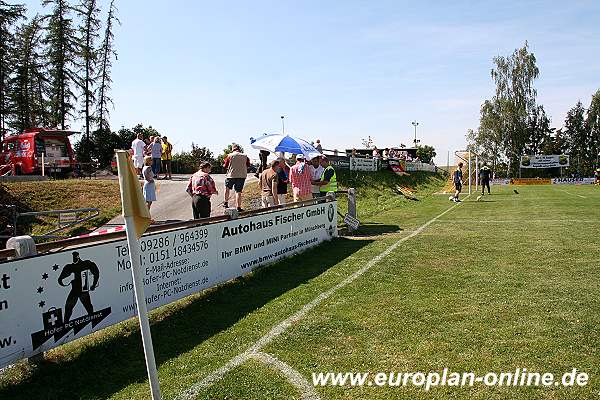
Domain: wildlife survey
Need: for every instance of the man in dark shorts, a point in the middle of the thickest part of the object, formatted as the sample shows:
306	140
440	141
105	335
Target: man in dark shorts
457	180
236	164
485	173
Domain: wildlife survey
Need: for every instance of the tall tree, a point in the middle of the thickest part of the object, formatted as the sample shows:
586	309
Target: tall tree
10	14
62	45
593	126
29	85
578	138
107	52
88	35
488	140
514	99
538	130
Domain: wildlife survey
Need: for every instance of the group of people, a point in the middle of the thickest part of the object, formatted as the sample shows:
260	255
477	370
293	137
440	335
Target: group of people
150	156
309	179
485	173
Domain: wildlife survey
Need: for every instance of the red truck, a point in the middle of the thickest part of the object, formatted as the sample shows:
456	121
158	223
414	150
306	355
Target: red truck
22	154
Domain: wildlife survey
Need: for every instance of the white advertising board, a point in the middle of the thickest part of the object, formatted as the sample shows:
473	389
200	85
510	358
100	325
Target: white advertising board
51	299
499	181
419	166
545	161
573	181
363	164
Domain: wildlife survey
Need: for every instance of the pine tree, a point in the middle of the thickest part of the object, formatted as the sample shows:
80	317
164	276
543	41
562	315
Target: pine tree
10	14
62	53
29	85
88	31
107	51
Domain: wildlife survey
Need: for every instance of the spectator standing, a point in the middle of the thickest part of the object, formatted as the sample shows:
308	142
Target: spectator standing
156	153
316	170
268	185
166	157
148	148
375	152
318	146
138	146
200	187
386	154
262	156
149	185
301	178
283	174
236	164
328	181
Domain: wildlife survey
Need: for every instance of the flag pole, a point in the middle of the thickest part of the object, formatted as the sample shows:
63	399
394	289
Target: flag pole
140	299
137	218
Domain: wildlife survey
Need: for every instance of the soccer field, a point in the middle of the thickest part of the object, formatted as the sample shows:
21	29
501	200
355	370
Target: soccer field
484	286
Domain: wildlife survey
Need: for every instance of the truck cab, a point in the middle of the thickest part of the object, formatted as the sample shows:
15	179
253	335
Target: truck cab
22	154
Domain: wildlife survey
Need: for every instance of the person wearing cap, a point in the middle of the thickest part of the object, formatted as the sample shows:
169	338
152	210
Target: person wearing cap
316	170
236	164
301	179
166	157
268	185
200	187
328	181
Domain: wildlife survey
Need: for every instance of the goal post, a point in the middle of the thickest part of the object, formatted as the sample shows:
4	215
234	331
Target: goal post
471	160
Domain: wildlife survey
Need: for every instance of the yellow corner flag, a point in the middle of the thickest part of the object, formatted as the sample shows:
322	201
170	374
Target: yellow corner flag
132	198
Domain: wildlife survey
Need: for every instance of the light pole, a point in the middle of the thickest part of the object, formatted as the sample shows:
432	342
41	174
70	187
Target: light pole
282	125
415	124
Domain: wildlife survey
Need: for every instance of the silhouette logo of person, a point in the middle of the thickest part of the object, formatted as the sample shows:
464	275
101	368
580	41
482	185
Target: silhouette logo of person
80	284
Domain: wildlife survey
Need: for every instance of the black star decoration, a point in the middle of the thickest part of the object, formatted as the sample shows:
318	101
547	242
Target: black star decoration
40	289
55	267
44	276
42	304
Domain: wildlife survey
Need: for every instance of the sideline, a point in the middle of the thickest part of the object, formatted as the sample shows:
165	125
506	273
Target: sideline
572	194
280	328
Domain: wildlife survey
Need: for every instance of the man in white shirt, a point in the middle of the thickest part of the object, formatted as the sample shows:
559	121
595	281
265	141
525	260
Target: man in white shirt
138	146
316	171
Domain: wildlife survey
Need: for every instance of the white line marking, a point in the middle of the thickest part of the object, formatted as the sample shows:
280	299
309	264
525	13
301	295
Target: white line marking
572	194
523	221
278	329
307	389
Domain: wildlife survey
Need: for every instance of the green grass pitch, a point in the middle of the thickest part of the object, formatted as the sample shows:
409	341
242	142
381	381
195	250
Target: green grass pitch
507	282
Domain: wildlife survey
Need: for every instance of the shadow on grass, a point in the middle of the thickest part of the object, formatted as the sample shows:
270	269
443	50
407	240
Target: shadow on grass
107	365
371	229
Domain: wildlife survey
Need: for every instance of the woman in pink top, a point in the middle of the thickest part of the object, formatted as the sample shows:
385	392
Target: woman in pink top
300	178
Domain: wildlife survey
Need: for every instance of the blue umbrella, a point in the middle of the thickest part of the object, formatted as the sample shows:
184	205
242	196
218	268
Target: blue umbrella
285	143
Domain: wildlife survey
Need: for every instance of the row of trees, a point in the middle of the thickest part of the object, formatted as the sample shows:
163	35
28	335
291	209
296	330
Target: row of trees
56	67
512	123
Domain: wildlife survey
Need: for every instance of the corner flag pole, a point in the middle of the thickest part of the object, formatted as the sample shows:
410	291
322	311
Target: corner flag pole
137	220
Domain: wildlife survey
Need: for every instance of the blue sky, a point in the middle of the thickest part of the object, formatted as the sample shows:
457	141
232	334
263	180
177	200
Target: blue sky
217	72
